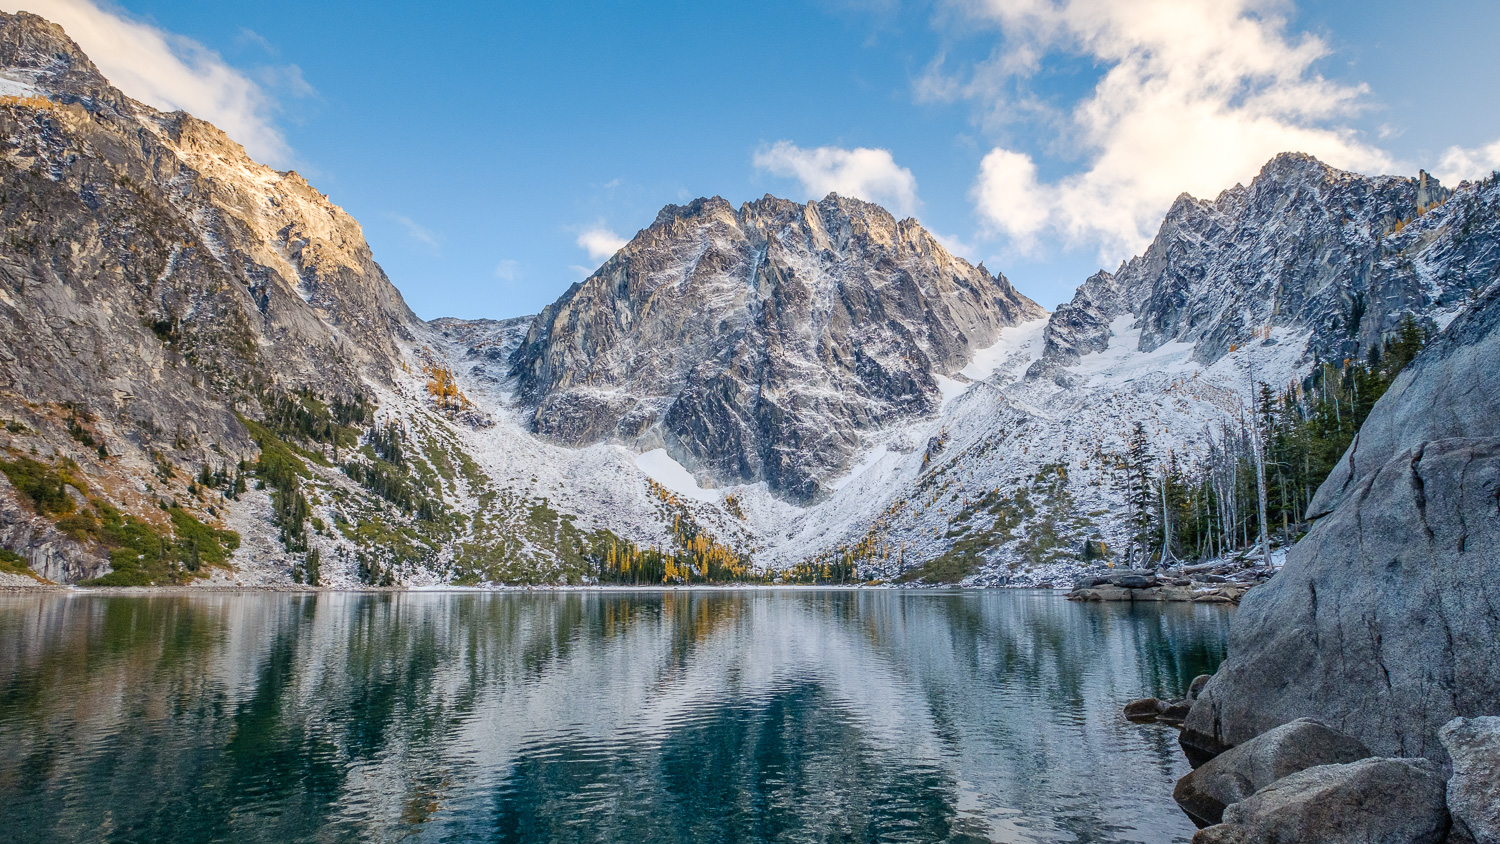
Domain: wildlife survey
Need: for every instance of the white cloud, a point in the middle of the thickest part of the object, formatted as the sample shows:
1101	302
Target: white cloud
600	243
508	270
1459	163
418	232
1195	96
868	174
1008	196
169	72
955	245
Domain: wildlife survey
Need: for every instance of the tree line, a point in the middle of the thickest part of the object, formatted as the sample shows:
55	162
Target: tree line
1254	485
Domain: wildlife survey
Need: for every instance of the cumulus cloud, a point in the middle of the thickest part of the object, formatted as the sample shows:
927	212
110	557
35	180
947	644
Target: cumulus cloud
169	72
1195	95
1459	163
868	174
600	242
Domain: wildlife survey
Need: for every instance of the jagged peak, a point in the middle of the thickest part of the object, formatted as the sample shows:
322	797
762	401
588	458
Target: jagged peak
696	208
36	48
32	42
833	205
1296	162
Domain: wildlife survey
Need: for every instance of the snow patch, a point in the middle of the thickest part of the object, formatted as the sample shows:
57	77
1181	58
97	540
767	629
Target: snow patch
1022	342
950	388
870	460
12	87
660	467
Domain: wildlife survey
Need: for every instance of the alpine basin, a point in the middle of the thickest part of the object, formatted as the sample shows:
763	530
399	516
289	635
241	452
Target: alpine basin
673	716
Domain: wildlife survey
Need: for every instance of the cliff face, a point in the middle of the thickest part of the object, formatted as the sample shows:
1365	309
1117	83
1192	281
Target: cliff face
155	282
153	275
1304	247
760	343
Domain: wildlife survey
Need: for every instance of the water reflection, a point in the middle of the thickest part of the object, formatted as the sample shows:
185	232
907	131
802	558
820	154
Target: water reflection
678	716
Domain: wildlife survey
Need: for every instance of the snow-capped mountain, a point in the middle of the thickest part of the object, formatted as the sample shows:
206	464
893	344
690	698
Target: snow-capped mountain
781	384
1304	247
1305	263
761	343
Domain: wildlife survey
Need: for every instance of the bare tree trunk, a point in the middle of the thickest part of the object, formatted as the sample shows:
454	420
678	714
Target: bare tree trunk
1166	523
1260	474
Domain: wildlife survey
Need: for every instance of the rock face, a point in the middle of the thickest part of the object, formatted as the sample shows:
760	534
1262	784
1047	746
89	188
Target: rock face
156	283
1304	247
1382	622
1450	390
1392	801
759	343
1473	745
48	552
153	273
1240	772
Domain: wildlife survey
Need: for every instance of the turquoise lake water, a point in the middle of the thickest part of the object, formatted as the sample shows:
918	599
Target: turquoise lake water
678	716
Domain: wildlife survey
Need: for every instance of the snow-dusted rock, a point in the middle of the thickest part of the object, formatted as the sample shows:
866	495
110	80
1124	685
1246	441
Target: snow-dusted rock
193	275
760	343
1304	248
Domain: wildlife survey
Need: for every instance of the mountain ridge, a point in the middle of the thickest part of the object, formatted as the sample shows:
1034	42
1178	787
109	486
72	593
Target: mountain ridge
771	313
785	389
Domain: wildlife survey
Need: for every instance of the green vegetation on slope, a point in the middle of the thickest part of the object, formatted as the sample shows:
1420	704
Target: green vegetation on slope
139	552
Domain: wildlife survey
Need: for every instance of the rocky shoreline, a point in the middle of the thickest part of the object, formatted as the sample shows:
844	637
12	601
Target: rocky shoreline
1306	781
1209	583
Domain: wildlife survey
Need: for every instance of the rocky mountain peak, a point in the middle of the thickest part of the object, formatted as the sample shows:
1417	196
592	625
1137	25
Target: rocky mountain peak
36	53
761	343
1305	249
194	272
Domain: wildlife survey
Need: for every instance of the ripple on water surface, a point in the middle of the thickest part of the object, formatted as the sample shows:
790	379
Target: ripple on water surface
756	715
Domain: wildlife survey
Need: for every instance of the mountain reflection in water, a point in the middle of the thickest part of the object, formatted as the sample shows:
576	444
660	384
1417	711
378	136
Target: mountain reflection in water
703	716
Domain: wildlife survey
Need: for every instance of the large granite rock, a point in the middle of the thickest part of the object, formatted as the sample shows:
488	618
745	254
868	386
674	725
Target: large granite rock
1383	621
1246	769
1384	801
1473	745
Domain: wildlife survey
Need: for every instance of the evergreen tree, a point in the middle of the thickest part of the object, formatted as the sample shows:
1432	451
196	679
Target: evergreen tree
1140	497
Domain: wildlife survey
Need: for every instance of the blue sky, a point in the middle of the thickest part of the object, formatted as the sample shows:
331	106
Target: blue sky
486	147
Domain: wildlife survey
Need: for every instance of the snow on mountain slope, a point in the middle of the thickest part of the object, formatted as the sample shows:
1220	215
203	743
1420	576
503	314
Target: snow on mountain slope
801	382
1014	469
764	342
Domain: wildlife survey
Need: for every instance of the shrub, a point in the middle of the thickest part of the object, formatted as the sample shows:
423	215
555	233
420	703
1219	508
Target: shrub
42	486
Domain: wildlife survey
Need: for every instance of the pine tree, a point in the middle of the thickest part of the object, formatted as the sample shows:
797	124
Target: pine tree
1139	471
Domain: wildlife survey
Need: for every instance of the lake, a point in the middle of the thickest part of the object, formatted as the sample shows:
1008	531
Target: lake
634	716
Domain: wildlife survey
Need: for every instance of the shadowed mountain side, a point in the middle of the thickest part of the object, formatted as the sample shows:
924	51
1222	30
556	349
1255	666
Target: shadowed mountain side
761	343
